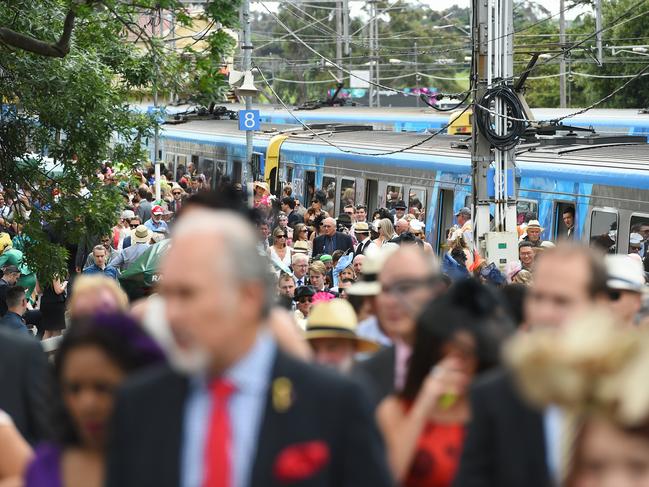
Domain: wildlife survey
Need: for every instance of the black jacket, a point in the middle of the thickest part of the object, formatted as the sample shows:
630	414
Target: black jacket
505	442
145	448
23	385
341	242
377	374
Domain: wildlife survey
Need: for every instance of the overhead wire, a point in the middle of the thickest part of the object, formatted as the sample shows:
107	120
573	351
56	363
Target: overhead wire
342	149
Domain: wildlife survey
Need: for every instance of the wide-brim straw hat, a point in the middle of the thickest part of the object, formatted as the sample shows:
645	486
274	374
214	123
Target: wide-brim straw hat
262	185
535	224
141	234
336	319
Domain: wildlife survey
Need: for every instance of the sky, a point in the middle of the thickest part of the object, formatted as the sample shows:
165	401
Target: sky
355	6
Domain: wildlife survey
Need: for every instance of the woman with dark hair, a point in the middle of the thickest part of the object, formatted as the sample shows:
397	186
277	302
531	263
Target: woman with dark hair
317	208
458	336
94	357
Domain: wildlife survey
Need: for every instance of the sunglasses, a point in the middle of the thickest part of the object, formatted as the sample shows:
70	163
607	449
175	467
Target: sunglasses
134	225
304	300
303	230
176	193
281	236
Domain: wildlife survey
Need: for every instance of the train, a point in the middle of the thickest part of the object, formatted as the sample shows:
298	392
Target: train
605	178
426	120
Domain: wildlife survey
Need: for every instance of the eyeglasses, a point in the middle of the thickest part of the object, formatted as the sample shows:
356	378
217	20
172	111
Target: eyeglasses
176	193
134	225
280	236
303	230
408	285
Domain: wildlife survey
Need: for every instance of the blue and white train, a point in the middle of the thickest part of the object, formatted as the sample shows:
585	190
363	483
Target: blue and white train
606	179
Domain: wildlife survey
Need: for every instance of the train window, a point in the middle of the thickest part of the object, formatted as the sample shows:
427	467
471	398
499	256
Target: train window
564	215
639	234
329	187
445	217
603	230
526	210
347	193
393	195
417	198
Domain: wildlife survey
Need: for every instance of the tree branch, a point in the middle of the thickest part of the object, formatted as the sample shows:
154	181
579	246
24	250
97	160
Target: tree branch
28	43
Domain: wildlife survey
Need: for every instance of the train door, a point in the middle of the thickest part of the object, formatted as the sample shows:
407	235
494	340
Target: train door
236	171
416	199
310	187
559	230
445	215
371	194
603	229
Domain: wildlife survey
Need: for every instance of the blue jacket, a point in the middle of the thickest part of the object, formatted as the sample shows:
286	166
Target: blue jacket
108	271
13	321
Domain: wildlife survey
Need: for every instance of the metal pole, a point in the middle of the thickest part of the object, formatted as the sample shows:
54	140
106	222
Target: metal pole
598	28
247	66
339	38
346	26
562	64
417	77
376	54
156	136
480	150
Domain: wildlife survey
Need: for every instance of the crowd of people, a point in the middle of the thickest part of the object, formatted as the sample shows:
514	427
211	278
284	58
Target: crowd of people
281	345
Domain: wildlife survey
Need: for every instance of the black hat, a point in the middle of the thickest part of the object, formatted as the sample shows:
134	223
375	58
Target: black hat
304	292
400	205
10	269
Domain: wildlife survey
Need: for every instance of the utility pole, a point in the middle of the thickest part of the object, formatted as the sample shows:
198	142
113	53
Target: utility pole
156	134
417	77
598	29
246	46
375	79
339	38
493	168
562	64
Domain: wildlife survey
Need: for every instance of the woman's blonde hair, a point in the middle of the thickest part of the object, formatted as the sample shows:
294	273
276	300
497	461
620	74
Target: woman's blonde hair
94	283
318	267
387	228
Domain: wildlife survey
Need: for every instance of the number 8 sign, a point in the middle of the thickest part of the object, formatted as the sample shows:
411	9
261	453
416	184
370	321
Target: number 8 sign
249	120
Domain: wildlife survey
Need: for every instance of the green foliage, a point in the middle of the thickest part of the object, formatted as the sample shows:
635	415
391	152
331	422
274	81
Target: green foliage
76	110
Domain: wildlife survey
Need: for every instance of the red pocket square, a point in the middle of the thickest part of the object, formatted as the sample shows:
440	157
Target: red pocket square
300	461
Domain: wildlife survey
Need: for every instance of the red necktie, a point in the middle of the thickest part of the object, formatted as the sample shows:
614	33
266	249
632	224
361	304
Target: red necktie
218	471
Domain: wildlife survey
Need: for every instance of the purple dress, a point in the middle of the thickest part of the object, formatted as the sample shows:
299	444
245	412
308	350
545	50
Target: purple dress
45	469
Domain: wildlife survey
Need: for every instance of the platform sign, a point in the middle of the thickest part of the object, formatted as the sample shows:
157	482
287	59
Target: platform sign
249	120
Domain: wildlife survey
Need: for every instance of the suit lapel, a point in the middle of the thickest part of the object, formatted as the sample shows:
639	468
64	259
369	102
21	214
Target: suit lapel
171	433
274	426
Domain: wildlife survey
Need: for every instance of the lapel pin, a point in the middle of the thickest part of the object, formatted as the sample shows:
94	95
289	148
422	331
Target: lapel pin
282	394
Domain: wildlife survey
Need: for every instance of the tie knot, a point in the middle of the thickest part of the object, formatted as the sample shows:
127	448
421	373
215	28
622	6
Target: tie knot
221	389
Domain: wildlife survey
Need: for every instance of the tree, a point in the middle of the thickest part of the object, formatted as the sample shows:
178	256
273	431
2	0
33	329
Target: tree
68	70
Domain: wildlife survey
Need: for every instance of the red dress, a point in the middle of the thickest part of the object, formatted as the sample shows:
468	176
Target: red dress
437	456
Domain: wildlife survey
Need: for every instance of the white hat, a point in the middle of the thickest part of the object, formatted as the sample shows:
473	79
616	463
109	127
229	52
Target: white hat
128	215
416	225
635	240
624	273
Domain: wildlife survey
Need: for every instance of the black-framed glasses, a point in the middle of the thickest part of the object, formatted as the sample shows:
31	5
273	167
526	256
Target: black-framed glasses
280	236
176	193
407	286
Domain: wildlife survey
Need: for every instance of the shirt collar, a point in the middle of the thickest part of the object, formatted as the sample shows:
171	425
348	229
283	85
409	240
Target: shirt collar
252	372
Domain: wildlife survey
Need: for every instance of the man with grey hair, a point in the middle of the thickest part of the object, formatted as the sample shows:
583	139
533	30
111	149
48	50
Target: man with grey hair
300	266
245	408
331	240
409	278
402	226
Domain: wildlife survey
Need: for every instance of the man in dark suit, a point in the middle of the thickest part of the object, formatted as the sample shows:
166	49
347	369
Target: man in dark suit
243	413
23	385
506	438
408	282
331	240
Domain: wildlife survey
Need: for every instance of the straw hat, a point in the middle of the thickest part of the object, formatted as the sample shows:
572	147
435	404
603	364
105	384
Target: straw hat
361	227
336	319
261	185
141	234
301	247
535	224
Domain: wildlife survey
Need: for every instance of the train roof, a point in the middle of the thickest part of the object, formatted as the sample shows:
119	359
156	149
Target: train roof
616	162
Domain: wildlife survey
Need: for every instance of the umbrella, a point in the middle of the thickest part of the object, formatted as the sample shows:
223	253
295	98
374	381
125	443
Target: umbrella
142	274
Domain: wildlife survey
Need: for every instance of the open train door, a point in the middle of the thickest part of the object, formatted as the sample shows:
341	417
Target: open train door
271	167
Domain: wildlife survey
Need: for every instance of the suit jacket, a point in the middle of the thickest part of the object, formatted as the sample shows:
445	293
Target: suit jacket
145	448
341	242
377	374
505	442
362	247
23	384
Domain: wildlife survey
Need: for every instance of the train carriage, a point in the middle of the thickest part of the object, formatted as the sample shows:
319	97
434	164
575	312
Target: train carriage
606	179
